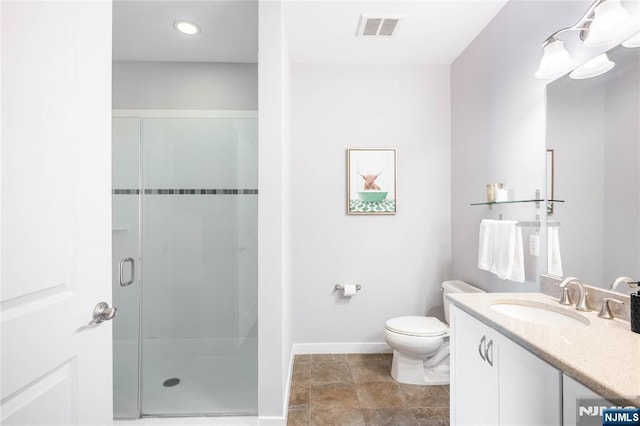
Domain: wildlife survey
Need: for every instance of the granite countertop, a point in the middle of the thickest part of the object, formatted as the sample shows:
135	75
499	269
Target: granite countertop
604	355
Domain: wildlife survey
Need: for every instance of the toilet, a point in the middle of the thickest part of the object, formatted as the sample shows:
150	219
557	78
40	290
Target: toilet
421	344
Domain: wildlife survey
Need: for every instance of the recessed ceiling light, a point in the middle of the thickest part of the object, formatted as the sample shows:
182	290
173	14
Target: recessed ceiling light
186	27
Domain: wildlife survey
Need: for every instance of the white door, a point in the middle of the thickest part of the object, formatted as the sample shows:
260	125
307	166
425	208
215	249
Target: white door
55	212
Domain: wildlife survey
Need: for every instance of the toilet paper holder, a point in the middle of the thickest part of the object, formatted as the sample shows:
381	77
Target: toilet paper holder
340	287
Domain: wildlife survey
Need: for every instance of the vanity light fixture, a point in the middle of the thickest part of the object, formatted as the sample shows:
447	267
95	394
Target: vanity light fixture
186	27
605	22
611	23
596	66
556	61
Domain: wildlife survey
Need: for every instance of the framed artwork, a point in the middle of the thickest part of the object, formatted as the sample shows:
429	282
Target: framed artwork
371	181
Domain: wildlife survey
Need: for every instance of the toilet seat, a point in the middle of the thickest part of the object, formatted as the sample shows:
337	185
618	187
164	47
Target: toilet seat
417	326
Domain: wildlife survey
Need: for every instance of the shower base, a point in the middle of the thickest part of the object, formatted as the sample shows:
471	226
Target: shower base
217	377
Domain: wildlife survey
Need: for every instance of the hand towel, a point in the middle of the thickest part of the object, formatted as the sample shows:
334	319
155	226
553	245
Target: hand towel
508	255
500	249
485	246
554	260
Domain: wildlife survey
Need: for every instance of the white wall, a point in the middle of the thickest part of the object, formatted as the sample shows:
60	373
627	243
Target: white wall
184	85
498	128
399	260
273	244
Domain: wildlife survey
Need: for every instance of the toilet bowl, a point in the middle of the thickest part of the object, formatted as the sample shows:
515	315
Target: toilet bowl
421	344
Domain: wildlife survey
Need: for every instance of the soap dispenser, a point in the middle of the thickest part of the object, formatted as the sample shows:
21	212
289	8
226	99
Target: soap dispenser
635	308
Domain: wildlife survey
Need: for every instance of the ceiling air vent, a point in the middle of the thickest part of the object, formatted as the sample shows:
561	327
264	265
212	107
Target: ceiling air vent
380	26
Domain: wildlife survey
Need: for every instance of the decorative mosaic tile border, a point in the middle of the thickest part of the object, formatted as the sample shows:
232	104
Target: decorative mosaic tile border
185	191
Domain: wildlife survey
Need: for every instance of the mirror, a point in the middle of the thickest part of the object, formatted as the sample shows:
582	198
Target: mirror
593	128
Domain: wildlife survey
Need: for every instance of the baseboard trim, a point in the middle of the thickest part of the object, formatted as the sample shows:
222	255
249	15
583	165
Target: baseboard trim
340	348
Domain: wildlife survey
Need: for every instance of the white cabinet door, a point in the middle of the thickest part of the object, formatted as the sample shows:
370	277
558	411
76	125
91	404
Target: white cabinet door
56	216
473	385
574	393
494	381
529	389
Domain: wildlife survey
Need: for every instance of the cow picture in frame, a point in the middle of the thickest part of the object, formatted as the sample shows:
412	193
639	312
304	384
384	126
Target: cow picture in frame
371	181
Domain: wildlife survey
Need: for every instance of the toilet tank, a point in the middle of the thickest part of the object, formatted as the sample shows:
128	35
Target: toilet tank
456	286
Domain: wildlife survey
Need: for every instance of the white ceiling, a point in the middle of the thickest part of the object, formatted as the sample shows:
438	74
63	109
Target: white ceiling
432	31
143	30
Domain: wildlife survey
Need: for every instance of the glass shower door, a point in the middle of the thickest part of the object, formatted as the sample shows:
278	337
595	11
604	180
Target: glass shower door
126	252
199	250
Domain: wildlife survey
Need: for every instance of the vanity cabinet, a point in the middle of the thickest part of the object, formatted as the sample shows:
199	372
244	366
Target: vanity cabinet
495	381
574	393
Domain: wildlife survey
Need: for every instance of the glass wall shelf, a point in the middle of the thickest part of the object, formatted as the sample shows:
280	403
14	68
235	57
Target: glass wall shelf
486	203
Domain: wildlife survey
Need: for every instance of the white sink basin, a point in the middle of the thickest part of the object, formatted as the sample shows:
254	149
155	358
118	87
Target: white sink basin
540	313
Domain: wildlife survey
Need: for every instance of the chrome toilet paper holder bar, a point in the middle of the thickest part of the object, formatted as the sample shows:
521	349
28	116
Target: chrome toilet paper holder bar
340	287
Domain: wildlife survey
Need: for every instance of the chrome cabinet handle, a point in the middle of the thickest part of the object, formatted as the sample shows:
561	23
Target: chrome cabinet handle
484	338
486	352
102	312
133	271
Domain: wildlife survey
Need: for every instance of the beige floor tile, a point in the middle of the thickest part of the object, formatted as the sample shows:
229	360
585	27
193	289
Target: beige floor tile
301	372
299	395
432	416
298	417
366	357
335	417
330	372
302	359
333	395
328	358
388	417
372	370
380	395
425	396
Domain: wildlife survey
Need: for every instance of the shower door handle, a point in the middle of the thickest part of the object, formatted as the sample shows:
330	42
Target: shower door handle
133	271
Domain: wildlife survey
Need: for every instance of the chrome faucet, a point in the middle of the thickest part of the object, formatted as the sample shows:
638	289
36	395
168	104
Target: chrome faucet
619	281
581	305
630	281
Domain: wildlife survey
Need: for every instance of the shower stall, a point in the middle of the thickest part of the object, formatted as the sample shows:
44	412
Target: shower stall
185	263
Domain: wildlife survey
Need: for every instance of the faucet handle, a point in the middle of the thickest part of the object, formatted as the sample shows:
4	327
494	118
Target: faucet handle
565	299
605	311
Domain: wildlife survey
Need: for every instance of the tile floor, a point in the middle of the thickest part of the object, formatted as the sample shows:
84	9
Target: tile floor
357	389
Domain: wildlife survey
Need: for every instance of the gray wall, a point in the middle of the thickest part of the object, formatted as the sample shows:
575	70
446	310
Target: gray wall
184	85
399	260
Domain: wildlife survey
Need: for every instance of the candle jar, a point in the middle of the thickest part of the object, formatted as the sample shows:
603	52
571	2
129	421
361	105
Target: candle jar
491	192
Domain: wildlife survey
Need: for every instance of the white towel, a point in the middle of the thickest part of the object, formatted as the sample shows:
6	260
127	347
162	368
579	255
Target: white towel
485	246
554	260
500	249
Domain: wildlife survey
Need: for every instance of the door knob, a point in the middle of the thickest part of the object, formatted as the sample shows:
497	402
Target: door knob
102	312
